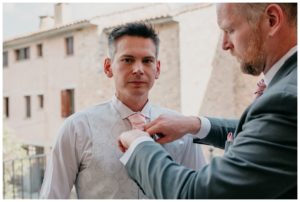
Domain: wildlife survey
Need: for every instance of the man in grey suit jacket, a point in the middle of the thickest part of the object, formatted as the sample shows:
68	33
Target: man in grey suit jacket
261	157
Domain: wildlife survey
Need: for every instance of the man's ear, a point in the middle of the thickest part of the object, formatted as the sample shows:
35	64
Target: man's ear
275	17
157	69
107	67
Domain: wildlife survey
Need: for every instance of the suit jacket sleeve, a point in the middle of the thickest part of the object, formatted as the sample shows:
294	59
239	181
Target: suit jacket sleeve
218	132
261	163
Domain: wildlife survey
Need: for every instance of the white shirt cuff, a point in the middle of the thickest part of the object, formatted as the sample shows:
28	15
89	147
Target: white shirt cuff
131	148
205	128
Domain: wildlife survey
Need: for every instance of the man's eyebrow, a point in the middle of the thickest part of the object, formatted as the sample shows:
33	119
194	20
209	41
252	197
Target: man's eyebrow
127	56
131	56
226	25
149	57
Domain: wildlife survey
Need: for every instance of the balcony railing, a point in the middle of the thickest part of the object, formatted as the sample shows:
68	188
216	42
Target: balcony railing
22	178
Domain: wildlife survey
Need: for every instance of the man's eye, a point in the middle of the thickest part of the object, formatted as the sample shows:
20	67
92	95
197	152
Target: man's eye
127	60
148	61
229	31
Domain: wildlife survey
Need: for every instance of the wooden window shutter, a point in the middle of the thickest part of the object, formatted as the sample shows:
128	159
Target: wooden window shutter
65	103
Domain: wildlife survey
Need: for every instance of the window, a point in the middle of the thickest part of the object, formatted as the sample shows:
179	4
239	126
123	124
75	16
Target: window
69	45
67	102
41	101
28	106
6	107
22	54
39	48
5	59
33	150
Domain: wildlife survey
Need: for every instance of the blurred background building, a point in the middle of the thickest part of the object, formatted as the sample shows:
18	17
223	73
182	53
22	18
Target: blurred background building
56	71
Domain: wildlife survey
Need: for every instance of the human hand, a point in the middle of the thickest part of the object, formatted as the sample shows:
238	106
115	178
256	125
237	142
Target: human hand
128	137
172	127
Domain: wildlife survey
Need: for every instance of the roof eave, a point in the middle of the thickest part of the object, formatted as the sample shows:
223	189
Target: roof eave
44	34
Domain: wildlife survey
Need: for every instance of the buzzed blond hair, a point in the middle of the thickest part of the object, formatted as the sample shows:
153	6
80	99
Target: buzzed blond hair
252	11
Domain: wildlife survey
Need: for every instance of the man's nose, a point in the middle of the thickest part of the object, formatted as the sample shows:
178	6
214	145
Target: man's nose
226	44
138	68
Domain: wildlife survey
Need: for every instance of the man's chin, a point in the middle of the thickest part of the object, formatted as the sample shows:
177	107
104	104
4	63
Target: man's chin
249	69
139	92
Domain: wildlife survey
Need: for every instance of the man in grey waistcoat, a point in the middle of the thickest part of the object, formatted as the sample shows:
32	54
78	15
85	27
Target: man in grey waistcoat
85	153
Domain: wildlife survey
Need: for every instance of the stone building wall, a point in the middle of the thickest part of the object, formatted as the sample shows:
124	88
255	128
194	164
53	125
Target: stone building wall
166	90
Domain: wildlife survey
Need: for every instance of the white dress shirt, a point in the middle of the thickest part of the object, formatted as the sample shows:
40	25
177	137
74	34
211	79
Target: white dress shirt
275	68
205	123
86	154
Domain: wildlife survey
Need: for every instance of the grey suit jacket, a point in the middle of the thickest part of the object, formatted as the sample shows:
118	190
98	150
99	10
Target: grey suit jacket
261	162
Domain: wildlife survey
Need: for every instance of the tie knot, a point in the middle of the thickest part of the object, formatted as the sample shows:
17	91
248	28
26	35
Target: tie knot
137	121
261	86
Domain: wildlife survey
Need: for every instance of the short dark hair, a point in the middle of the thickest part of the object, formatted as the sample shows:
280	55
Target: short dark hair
132	29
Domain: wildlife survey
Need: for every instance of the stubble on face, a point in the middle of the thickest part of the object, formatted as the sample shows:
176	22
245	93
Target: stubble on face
253	62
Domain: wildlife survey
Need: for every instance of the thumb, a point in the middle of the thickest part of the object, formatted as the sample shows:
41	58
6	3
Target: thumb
121	146
152	130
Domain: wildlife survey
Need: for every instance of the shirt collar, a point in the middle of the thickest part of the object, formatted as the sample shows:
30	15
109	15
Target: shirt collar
126	111
275	68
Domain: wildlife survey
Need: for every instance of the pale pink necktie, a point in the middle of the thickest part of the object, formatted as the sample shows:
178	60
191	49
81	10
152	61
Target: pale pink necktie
260	88
137	121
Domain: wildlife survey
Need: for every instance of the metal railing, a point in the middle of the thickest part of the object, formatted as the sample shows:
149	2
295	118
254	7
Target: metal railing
23	178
